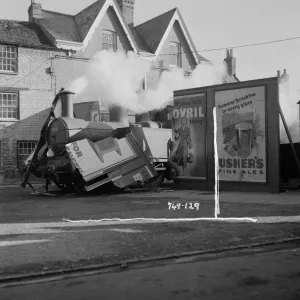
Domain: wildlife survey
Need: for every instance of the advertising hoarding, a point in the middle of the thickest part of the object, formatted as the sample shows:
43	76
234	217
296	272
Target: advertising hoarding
188	117
241	138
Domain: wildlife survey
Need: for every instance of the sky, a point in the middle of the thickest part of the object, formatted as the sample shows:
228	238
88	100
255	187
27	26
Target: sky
216	24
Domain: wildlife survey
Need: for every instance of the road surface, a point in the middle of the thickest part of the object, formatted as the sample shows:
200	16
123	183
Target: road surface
37	235
272	275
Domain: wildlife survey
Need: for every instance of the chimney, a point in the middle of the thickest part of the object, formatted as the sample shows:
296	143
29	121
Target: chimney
230	62
285	77
284	83
67	104
34	11
278	74
127	8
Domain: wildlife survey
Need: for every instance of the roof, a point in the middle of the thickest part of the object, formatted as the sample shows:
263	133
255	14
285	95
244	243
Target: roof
76	30
23	33
153	30
86	18
140	41
60	26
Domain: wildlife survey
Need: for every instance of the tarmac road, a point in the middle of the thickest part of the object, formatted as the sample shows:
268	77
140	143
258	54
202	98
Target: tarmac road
34	237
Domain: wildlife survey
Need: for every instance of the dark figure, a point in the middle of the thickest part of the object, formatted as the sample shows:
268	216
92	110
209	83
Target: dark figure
180	156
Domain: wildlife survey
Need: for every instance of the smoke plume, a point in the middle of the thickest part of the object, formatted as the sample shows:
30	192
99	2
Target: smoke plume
115	78
288	95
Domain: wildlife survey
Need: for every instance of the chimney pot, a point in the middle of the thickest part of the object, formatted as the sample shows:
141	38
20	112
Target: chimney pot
67	104
230	62
278	74
285	77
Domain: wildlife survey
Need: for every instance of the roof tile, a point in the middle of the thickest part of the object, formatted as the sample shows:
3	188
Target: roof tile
23	33
86	17
153	30
60	26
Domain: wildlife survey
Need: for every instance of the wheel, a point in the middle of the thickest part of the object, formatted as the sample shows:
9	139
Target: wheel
67	187
156	181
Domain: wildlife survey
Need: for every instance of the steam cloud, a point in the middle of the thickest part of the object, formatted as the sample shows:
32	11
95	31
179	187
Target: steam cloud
115	78
288	96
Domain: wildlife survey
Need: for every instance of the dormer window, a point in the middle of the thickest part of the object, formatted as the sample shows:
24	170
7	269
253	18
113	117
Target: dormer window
8	59
109	40
175	54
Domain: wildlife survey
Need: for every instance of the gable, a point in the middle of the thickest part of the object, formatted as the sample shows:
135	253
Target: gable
176	35
120	18
109	22
155	32
75	32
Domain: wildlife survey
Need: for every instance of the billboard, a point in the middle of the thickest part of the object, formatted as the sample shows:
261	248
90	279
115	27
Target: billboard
188	117
241	138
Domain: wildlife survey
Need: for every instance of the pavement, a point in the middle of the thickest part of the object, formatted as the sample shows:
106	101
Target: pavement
69	233
269	274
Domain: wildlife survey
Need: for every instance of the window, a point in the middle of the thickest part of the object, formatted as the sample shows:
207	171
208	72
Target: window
9	103
24	150
109	40
8	59
175	54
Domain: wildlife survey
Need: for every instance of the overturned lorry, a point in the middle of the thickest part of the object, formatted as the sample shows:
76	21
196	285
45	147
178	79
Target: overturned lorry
75	154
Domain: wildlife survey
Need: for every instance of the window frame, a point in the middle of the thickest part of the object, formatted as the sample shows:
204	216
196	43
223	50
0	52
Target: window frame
2	119
27	155
114	44
2	47
178	53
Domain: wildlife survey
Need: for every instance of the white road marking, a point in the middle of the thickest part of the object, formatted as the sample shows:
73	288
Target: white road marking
280	219
43	228
158	220
127	230
18	243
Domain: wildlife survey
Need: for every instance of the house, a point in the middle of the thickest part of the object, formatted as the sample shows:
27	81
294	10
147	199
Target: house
49	51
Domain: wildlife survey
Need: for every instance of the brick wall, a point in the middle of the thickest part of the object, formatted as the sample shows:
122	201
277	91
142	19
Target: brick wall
35	96
66	70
